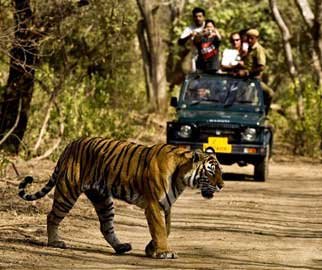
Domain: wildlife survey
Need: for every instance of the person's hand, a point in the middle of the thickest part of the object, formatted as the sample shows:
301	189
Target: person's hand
241	63
196	37
193	34
242	73
209	33
212	34
217	33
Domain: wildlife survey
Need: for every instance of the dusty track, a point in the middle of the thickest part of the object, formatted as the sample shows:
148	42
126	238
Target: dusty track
249	225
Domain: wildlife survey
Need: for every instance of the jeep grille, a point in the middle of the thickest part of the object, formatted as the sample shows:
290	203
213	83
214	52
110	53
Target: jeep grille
233	135
220	125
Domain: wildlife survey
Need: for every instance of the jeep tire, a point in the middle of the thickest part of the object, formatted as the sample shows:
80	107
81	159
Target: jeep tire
261	168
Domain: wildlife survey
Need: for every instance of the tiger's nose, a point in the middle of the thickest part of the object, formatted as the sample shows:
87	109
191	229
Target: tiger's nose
219	187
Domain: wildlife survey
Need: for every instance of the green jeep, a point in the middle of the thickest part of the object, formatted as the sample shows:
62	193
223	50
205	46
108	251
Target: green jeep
226	115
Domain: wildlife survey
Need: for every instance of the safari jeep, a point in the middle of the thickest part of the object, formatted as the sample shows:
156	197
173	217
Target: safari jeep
226	115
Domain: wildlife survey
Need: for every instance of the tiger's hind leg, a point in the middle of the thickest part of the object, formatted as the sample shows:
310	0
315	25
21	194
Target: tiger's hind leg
105	210
62	204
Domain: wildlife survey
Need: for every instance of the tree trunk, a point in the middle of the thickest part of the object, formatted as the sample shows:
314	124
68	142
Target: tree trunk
154	35
318	48
298	85
153	46
317	38
313	22
23	57
21	77
146	56
174	69
289	57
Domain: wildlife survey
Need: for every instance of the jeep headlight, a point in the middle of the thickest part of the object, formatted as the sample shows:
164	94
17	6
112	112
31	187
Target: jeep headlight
249	134
185	131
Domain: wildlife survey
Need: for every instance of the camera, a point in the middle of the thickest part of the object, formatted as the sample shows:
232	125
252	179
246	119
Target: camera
207	32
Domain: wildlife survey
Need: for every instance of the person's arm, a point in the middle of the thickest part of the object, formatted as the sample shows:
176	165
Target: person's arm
261	62
255	71
182	41
216	32
216	41
186	35
196	39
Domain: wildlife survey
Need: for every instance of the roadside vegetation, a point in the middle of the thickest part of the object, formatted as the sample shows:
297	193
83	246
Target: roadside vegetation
108	68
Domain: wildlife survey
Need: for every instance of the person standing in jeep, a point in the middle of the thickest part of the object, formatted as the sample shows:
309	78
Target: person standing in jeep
189	33
254	64
255	59
207	43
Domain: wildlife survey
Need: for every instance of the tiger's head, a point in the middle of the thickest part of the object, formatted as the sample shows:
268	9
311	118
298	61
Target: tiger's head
206	174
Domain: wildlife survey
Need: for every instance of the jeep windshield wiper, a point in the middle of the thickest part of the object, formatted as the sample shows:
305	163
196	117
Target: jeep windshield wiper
196	102
245	101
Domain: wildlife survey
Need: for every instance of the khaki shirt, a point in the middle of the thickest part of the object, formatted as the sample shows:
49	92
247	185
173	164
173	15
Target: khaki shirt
255	57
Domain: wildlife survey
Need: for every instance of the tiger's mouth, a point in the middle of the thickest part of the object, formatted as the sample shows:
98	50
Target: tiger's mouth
209	191
207	194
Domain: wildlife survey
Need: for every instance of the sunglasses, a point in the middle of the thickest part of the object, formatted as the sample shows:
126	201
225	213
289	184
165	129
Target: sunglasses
234	40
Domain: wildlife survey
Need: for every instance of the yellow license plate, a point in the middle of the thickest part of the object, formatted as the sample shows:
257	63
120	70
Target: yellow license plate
219	144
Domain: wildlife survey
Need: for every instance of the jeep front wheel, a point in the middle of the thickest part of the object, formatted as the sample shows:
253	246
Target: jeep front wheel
261	168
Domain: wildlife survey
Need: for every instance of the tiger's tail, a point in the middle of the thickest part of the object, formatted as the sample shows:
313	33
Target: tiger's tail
39	194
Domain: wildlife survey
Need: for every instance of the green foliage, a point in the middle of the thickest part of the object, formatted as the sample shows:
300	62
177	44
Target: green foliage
93	63
304	134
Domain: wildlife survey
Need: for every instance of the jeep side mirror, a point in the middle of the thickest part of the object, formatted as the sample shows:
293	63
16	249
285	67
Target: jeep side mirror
174	102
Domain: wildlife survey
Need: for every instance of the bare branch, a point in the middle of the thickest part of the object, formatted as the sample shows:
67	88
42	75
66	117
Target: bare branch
176	10
15	169
306	12
15	124
52	99
289	56
286	37
56	144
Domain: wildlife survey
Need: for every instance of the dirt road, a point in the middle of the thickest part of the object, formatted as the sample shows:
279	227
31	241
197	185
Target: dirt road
249	225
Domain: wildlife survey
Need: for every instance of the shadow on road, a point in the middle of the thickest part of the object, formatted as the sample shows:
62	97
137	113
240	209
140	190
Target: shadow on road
238	177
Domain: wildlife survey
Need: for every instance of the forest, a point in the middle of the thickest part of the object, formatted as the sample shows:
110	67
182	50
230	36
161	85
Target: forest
72	68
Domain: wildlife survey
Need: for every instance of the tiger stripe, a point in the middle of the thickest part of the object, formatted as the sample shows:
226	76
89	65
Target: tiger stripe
150	177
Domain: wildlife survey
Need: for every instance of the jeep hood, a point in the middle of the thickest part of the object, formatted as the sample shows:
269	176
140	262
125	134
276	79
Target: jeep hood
243	118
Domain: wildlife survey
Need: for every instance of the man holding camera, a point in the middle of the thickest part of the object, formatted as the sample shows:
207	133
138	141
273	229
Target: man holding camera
188	35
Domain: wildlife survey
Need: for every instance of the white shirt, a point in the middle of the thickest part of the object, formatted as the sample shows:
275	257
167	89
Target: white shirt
186	33
190	29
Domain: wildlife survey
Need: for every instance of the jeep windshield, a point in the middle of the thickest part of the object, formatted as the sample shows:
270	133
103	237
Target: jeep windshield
220	90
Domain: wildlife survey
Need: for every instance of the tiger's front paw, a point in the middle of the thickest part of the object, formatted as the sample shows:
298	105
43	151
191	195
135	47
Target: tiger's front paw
150	249
166	255
57	244
122	248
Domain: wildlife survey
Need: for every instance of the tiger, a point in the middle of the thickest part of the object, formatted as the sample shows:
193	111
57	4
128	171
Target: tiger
150	177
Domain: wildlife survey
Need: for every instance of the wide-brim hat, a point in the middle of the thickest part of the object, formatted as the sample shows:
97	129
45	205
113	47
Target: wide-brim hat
252	32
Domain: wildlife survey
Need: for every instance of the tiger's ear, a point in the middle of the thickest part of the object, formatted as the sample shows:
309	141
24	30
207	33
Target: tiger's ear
197	155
